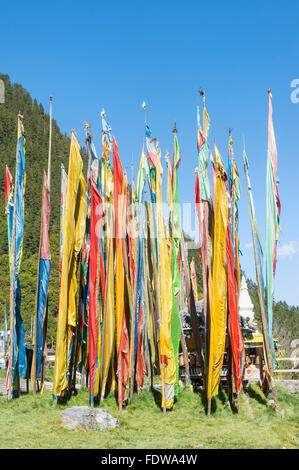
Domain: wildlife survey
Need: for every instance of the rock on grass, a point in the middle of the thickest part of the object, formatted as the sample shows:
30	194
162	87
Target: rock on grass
88	418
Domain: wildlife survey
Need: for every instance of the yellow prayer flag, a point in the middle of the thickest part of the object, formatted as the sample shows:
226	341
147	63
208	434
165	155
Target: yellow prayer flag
108	339
165	298
206	123
61	356
218	316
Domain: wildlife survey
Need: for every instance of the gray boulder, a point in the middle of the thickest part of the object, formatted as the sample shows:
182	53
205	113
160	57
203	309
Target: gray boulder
88	418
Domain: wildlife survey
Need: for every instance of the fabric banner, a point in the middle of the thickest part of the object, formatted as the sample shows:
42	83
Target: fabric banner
257	241
176	280
7	187
18	359
218	315
62	205
272	224
63	187
167	357
203	208
152	155
93	321
9	196
234	323
203	157
194	279
142	178
233	191
108	330
122	338
44	276
62	339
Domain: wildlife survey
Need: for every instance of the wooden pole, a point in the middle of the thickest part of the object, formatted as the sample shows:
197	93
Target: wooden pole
12	265
163	387
50	146
44	344
266	341
33	368
120	382
209	406
229	377
185	353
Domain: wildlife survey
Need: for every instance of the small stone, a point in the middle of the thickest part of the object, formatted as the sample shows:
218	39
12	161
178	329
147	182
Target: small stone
270	402
88	418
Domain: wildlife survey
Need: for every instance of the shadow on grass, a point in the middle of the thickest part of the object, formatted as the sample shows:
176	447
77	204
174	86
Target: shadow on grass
222	396
202	393
256	396
157	394
63	400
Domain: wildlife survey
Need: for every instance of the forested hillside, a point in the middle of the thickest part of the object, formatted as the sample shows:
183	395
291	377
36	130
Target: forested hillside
36	125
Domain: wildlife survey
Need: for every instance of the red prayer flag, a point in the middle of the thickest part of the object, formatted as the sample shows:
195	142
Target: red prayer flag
234	324
95	233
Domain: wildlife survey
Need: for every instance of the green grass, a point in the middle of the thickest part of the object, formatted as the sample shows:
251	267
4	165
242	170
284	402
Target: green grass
34	422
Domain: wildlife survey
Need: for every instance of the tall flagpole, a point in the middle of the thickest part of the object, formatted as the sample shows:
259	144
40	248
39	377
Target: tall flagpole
266	341
34	363
49	188
33	367
12	264
50	146
132	366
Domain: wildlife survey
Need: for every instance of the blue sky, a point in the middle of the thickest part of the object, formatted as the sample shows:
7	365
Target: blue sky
116	54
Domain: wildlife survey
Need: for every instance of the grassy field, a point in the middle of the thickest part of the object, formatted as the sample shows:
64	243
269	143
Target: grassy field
34	423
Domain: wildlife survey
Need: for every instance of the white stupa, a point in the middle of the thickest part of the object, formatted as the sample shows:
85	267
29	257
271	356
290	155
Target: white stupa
245	303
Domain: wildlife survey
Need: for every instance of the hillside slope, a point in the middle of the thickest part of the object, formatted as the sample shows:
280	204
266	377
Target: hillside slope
36	125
